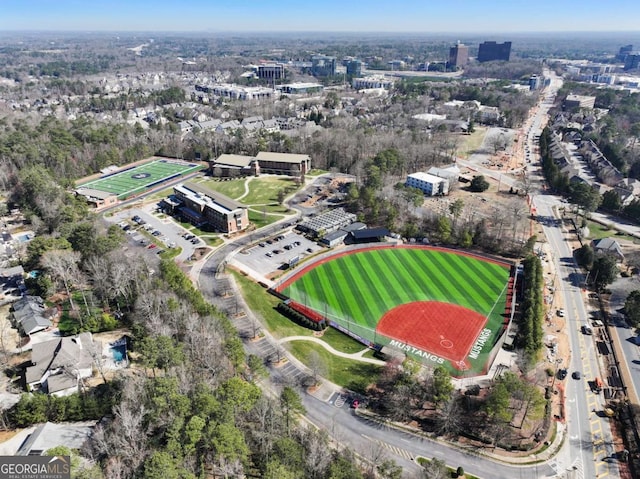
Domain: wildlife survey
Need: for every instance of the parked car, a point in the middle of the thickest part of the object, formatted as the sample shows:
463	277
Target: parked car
562	373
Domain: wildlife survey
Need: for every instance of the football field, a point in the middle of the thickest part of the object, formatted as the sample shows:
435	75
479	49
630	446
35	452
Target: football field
136	180
441	306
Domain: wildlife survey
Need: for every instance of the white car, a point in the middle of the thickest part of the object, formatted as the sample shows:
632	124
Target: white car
561	313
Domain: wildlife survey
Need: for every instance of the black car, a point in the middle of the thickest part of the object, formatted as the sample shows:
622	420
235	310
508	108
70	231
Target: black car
562	373
576	375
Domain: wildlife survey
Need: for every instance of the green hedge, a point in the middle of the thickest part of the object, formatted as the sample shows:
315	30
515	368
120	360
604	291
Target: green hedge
299	318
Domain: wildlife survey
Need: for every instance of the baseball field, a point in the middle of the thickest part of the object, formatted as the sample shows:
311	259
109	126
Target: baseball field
437	305
136	180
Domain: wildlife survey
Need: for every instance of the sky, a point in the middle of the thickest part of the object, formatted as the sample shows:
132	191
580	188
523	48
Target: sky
420	16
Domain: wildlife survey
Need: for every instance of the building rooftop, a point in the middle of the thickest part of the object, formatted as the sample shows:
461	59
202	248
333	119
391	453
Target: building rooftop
218	198
241	161
281	157
49	435
420	175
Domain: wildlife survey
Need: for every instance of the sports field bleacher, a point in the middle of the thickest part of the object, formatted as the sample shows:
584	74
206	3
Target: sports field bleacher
136	180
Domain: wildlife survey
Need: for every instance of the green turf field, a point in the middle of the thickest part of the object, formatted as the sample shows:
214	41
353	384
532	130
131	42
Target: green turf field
136	180
357	289
363	286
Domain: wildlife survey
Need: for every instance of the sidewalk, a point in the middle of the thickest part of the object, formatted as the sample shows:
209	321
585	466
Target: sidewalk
353	356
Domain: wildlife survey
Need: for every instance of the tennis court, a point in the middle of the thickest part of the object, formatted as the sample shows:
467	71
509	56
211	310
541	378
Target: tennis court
136	180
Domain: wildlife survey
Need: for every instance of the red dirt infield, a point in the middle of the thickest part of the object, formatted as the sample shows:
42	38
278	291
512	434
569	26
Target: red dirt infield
446	330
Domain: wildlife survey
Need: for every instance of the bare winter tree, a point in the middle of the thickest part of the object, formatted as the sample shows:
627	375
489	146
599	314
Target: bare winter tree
123	440
150	311
317	365
98	269
63	266
318	453
204	346
224	468
450	417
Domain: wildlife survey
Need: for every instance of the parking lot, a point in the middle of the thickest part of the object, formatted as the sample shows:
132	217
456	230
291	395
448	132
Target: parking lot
166	232
276	251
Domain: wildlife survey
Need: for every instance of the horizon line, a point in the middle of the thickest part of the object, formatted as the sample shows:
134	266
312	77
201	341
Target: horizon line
342	32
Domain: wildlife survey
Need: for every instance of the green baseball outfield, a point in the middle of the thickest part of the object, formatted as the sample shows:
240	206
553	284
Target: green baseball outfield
138	179
439	306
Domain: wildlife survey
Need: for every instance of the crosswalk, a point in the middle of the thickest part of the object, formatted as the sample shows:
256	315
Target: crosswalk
574	470
398	451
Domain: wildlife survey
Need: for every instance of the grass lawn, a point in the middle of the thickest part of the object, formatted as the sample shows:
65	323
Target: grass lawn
598	231
264	304
344	372
471	143
342	342
272	209
265	190
313	172
213	240
263	219
171	253
231	188
160	194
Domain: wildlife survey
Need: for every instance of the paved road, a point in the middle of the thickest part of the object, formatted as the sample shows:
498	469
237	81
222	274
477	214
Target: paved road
590	440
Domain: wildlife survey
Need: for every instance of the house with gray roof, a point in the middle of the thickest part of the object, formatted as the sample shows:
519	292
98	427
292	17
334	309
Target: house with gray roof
50	435
608	246
30	315
57	366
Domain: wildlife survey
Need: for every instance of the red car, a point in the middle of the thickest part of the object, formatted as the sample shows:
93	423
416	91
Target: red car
151	246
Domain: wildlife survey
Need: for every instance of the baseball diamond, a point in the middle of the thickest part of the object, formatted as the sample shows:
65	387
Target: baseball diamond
439	306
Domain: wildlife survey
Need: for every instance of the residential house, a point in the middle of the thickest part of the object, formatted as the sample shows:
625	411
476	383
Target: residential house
608	246
29	315
58	365
50	435
599	164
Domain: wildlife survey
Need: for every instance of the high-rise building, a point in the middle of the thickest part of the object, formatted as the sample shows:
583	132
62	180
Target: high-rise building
632	61
458	55
323	66
354	68
491	51
271	71
624	51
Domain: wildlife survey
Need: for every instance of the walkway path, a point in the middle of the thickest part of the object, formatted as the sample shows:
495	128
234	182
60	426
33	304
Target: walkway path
354	356
246	188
